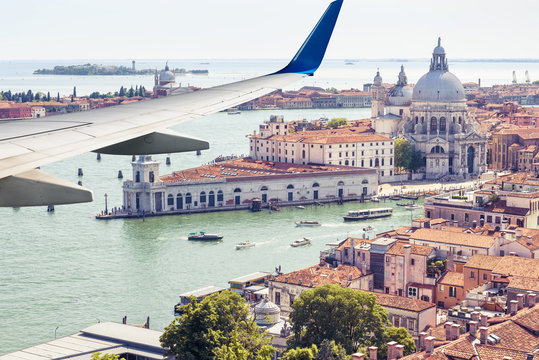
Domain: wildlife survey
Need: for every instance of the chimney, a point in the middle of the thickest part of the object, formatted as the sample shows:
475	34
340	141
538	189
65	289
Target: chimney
299	282
373	351
286	279
455	223
513	307
447	327
531	299
505	223
391	350
399	351
484	319
473	328
363	267
520	299
474	224
482	221
483	334
518	233
475	316
455	331
358	356
429	344
512	253
422	336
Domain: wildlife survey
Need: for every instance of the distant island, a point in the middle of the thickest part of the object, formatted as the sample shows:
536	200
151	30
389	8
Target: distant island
94	69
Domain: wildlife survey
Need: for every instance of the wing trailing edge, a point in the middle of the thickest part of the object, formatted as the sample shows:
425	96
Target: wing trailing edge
36	188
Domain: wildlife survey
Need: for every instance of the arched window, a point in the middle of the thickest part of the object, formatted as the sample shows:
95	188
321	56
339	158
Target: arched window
170	199
316	185
433	124
416	119
290	186
442	124
340	183
237	190
422	119
152	177
303	154
264	188
454	119
220	195
460	120
188	198
346	162
364	181
437	149
179	201
203	197
137	176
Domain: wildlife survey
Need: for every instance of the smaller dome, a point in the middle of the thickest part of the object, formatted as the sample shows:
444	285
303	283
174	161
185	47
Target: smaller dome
267	313
400	95
439	50
165	75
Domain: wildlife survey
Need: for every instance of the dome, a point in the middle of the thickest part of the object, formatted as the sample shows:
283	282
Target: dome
378	78
267	313
166	76
438	85
400	95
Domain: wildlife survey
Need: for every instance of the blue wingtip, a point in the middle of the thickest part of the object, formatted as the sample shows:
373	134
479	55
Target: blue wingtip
310	54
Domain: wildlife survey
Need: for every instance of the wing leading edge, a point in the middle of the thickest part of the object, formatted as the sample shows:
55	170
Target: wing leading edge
138	128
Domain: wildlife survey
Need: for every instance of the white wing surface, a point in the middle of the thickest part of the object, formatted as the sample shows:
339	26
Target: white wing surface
137	128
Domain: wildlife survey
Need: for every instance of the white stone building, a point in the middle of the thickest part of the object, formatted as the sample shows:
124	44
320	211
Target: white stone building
330	147
435	119
235	184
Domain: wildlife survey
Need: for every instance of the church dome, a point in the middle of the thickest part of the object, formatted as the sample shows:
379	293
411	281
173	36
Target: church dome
378	78
166	76
267	313
400	94
438	84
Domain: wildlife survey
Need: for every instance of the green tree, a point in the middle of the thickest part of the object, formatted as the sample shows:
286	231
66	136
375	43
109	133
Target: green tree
349	317
74	91
122	92
301	353
416	161
98	356
336	122
48	96
217	325
331	351
401	336
402	153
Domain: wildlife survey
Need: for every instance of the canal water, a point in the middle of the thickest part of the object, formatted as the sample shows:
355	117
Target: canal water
67	270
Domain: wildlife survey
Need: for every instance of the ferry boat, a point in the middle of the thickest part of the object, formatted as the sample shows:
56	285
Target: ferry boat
244	245
308	223
374	213
413	206
409	197
203	236
304	241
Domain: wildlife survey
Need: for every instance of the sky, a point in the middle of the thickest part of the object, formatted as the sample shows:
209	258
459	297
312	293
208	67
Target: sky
250	29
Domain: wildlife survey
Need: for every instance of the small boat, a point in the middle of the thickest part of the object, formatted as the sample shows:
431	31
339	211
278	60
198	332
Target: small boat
396	198
308	223
301	207
244	245
375	200
413	207
404	204
233	112
368	228
203	236
409	197
373	213
304	241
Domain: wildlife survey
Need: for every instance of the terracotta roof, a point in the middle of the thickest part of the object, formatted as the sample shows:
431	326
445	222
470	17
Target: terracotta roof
404	303
532	195
452	278
398	249
321	275
501	207
518	336
246	167
524	283
454	238
484	262
348	242
517	266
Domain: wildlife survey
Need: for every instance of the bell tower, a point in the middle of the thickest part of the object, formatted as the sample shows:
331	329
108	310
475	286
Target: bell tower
378	96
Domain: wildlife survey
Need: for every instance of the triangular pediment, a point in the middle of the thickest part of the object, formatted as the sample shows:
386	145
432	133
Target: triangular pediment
437	141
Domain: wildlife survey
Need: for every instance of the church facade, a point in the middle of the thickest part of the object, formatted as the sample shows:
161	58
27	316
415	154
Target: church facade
433	116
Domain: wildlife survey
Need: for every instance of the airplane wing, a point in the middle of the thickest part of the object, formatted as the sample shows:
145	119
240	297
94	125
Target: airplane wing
137	128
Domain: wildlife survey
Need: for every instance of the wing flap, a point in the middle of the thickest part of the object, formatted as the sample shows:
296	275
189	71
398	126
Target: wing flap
36	188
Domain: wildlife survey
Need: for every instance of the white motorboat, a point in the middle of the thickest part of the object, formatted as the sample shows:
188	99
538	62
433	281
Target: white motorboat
308	223
244	245
304	241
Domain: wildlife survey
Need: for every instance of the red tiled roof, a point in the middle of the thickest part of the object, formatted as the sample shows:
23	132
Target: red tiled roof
452	278
404	303
454	238
398	249
321	275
